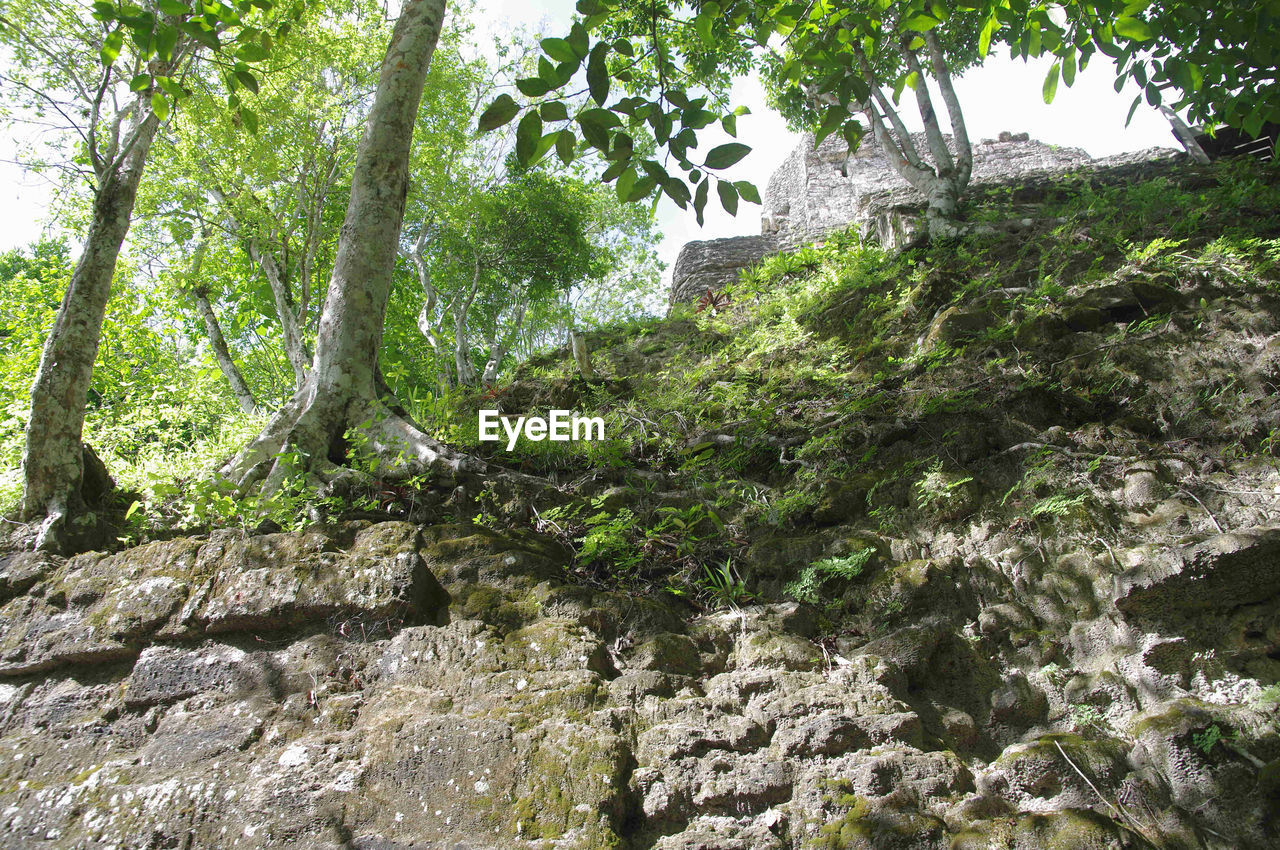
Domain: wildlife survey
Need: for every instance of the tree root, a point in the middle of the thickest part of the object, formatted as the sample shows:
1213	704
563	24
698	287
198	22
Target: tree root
317	438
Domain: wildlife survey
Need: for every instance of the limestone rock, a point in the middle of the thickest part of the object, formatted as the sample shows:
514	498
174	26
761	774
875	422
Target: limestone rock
713	264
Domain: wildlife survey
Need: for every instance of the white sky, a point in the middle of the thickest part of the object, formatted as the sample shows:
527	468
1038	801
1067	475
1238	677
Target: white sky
1001	95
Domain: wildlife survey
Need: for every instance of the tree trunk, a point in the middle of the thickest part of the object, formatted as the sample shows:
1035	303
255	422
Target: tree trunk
221	353
945	181
294	348
462	363
53	460
501	343
341	390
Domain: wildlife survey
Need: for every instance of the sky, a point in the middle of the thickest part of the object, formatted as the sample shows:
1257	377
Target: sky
1003	94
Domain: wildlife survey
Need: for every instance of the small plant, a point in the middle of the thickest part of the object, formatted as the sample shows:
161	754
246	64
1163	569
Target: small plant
608	540
1085	717
723	584
808	585
1268	696
1054	674
1058	505
940	492
1206	739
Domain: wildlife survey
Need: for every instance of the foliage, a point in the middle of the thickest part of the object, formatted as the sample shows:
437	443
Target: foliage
1206	739
808	586
157	407
1203	58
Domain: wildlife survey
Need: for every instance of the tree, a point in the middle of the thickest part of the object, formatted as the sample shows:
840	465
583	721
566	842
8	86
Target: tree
119	67
527	241
343	392
829	63
263	211
1211	59
841	64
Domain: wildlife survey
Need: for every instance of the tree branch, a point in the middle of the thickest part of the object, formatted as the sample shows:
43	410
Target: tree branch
937	142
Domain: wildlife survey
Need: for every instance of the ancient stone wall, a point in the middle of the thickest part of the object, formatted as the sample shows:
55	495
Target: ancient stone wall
714	263
820	190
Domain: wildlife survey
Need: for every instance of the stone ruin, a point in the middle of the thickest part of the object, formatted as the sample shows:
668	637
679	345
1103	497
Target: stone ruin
817	191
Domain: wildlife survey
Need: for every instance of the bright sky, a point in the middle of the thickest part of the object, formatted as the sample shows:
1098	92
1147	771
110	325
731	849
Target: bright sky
1001	95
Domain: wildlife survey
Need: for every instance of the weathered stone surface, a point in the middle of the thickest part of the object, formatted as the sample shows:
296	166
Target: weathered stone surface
714	263
382	574
1222	573
102	609
818	191
98	608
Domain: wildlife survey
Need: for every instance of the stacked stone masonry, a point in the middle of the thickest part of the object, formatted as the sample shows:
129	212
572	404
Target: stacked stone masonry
820	190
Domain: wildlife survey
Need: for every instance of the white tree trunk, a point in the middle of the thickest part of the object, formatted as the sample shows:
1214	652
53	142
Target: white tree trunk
501	343
294	348
341	390
944	182
222	353
53	459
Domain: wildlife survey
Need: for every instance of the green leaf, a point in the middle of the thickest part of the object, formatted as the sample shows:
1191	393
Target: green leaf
702	24
141	37
250	120
1069	69
170	85
1050	87
252	52
166	41
626	180
578	40
554	111
921	23
1196	73
611	173
104	11
700	201
173	7
747	191
596	133
832	121
207	37
624	47
677	191
1137	101
984	39
642	188
533	86
140	83
559	50
544	146
528	134
1133	28
499	113
598	74
726	155
247	80
728	197
566	145
111	46
159	105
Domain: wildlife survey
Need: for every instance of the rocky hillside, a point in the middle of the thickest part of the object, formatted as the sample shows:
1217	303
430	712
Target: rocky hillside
972	547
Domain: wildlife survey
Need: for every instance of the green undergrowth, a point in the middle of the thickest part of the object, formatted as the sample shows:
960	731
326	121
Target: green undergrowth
1011	378
846	385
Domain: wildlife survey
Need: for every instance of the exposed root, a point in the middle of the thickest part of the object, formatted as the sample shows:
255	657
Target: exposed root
314	437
